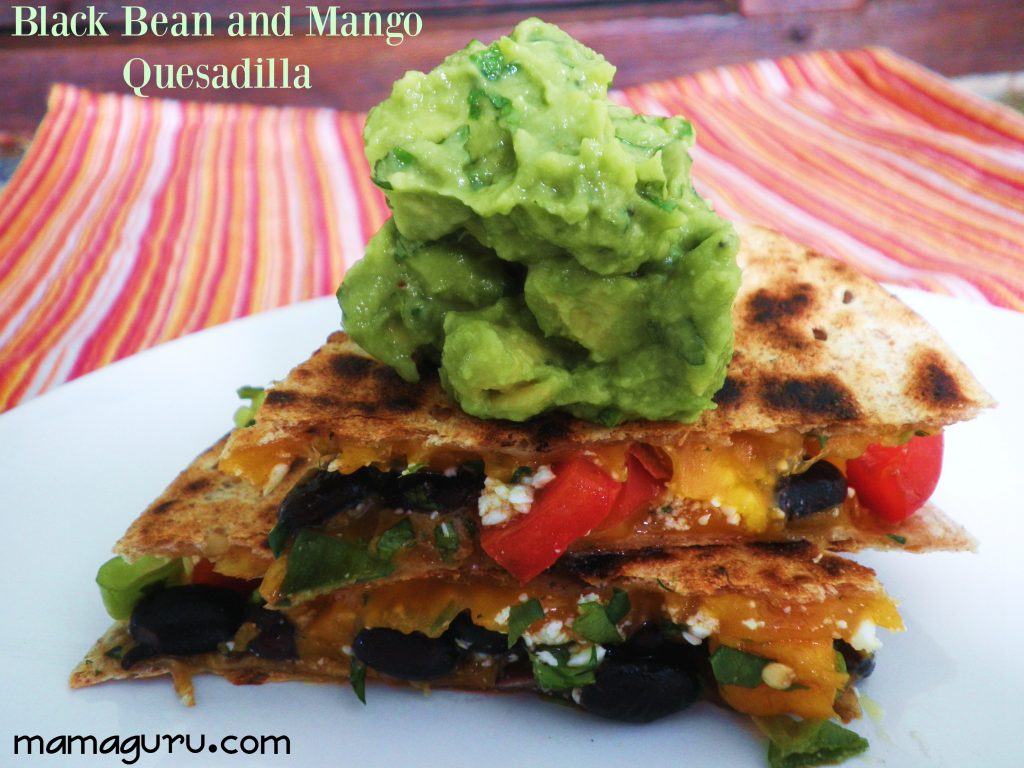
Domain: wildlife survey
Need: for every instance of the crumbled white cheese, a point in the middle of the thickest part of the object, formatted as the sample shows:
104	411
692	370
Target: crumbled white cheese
541	477
841	624
753	624
451	472
582	653
500	502
778	676
550	633
715	503
547	657
347	650
277	473
732	517
577	694
704	519
676	523
590	597
864	638
501	617
701	625
691	639
850	493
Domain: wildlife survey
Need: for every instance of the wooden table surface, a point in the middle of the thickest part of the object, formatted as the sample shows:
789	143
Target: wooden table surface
646	40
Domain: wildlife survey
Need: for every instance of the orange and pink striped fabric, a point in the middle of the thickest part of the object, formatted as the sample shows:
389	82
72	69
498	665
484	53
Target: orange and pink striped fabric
130	222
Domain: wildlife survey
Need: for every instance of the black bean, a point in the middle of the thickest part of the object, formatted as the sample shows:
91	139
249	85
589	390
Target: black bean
433	491
180	621
821	487
649	641
859	664
645	642
407	657
639	691
324	494
276	639
474	639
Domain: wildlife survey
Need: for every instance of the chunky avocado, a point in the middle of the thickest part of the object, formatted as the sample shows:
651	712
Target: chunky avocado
547	249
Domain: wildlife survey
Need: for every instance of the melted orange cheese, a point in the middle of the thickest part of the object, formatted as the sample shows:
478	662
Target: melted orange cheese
737	478
799	636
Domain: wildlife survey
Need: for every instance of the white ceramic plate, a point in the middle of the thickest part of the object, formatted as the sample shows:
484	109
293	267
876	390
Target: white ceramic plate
79	463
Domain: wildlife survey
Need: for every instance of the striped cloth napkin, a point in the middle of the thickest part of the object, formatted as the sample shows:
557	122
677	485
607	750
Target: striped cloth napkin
133	221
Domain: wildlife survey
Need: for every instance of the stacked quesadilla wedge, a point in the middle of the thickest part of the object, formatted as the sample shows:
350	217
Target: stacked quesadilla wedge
366	527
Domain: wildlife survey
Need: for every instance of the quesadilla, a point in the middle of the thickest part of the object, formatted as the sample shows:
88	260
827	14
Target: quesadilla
353	507
766	625
826	364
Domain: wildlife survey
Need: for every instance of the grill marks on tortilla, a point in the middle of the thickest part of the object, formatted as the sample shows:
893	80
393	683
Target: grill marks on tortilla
378	389
817	397
792	570
730	394
765	307
931	383
783	318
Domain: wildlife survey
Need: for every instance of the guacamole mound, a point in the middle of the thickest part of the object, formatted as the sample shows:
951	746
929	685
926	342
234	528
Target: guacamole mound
547	249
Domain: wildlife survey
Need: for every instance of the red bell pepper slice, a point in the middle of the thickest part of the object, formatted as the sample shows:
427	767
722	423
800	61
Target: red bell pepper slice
639	492
569	507
894	482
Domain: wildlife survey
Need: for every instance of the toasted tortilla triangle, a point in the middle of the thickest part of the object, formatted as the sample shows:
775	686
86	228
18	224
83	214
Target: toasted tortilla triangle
819	348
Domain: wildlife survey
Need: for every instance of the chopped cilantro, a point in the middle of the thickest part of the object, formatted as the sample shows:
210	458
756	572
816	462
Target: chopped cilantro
277	538
357	678
412	469
666	587
901	540
320	562
394	161
476	99
245	416
446	538
597	622
822	441
560	676
395	538
652	192
799	743
491	63
735	667
114	653
521	616
840	663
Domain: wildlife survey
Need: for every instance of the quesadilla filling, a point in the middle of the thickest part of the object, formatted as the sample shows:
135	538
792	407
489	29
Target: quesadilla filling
633	652
758	486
